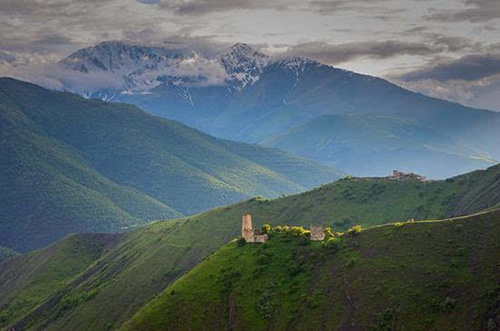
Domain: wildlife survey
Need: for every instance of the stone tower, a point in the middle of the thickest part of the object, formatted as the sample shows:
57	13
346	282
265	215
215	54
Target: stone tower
246	228
248	233
317	232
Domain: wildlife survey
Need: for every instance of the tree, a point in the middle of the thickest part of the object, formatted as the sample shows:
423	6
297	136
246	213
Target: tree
266	228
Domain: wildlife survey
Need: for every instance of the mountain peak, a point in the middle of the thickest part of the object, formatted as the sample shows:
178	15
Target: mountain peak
242	48
243	64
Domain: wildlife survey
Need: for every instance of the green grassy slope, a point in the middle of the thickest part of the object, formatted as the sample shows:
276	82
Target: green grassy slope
73	165
48	189
27	280
441	275
150	258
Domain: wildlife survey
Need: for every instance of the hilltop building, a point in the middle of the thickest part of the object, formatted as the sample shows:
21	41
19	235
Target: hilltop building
400	175
250	234
317	232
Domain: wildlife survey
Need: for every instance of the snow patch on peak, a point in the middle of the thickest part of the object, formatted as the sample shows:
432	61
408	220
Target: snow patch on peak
295	63
142	68
243	64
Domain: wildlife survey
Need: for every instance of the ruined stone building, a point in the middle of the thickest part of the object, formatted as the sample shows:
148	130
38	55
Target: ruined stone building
317	232
250	234
400	175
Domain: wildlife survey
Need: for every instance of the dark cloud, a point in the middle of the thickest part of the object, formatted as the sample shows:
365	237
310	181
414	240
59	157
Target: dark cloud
201	7
417	29
149	2
334	54
477	11
48	8
375	8
467	68
53	40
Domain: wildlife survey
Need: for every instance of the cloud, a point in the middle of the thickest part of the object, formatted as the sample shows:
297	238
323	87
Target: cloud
472	80
198	71
331	7
481	93
54	39
202	7
467	68
477	11
335	54
6	58
149	2
51	76
52	8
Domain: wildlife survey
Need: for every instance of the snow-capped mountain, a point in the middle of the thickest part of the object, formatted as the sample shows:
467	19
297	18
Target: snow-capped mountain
243	64
142	68
114	56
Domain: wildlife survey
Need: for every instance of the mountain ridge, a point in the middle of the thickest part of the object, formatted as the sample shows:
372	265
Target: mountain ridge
267	97
112	166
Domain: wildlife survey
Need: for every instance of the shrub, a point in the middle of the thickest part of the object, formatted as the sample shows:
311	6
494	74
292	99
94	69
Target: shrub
447	305
385	320
328	232
355	230
333	243
264	304
351	262
305	239
266	228
298	231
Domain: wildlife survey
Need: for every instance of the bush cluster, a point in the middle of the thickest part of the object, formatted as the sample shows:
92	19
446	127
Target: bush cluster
355	230
333	243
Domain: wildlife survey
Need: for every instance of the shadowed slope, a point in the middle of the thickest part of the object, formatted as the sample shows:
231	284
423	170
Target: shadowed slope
74	165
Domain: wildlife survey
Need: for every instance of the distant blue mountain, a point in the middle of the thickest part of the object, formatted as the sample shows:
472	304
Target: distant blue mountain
264	101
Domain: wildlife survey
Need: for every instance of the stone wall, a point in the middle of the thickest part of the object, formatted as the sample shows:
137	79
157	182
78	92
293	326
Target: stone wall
317	232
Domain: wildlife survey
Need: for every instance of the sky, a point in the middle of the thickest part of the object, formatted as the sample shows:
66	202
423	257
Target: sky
448	48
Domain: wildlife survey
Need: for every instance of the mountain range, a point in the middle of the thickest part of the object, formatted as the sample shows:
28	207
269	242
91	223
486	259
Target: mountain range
69	164
242	94
95	281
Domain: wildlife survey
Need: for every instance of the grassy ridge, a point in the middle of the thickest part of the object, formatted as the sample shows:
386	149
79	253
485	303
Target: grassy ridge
149	259
416	276
29	279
